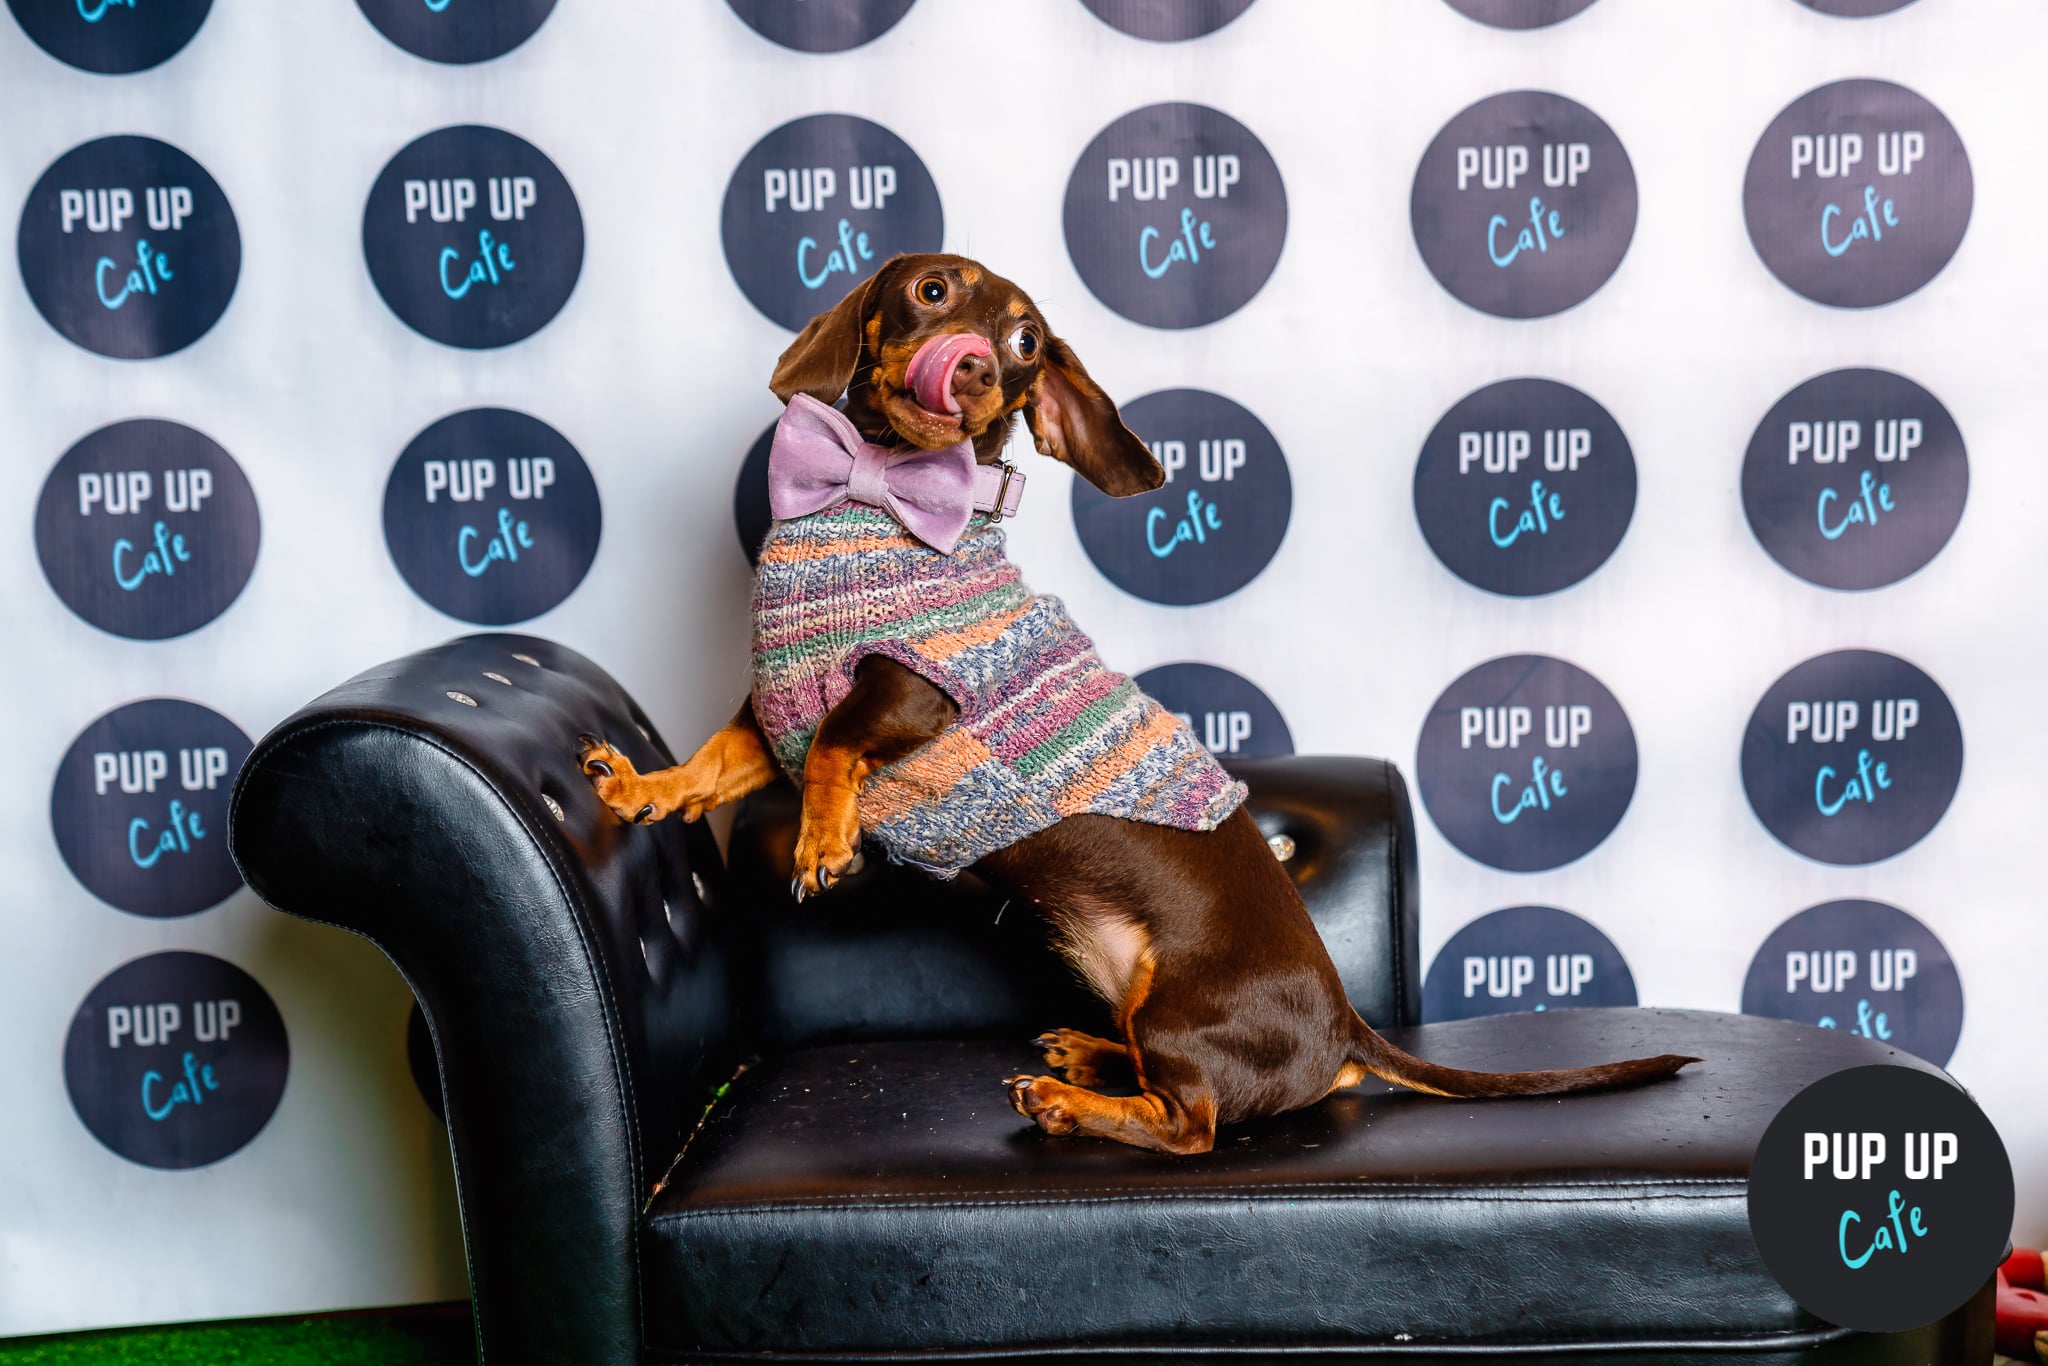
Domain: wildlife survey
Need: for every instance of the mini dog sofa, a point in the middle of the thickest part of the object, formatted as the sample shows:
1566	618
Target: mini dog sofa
694	1121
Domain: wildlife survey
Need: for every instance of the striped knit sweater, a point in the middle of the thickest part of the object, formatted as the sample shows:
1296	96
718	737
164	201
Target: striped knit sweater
1045	731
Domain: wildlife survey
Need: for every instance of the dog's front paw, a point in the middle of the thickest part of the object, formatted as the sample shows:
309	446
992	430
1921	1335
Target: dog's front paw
1036	1098
617	784
827	843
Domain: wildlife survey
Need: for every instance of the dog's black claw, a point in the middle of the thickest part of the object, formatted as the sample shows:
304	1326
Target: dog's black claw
588	740
599	767
644	814
1044	1041
796	887
825	879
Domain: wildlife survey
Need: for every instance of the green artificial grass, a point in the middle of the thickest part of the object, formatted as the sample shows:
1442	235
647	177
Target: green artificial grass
434	1336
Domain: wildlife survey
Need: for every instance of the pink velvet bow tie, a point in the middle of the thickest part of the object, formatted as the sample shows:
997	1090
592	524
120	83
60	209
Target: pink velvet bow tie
818	461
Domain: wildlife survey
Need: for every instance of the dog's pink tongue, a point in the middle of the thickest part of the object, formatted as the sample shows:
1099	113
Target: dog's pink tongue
931	370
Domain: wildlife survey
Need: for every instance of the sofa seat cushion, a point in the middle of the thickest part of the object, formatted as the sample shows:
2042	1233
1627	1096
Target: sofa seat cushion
883	1197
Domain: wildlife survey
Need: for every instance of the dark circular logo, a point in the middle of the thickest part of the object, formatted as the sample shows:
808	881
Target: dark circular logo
1227	712
1526	763
1855	9
1881	1198
1175	215
140	807
1167	21
750	514
1525	487
1524	204
1525	958
1858	194
176	1060
491	516
473	237
808	27
111	37
129	248
1216	521
457	31
817	206
1519	13
1864	967
1852	757
1855	479
147	529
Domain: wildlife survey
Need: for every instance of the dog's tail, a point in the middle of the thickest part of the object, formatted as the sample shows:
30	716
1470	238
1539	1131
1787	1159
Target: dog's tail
1383	1060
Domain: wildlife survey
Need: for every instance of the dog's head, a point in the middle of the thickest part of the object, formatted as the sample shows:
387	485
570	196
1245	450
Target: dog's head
935	348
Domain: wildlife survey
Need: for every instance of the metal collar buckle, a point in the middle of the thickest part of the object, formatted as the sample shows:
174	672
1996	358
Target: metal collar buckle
1002	493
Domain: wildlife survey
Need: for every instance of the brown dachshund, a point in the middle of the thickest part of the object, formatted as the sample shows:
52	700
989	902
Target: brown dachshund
1229	1006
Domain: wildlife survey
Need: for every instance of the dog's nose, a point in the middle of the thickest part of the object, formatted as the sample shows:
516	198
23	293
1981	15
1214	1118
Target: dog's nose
948	368
974	375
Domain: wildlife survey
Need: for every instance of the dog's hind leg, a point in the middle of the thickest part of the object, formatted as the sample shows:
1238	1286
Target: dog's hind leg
1150	1119
1086	1059
727	767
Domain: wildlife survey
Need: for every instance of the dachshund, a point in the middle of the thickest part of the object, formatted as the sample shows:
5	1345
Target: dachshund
1227	1001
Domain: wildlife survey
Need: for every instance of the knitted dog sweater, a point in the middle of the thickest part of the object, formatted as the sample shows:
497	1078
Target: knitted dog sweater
1045	731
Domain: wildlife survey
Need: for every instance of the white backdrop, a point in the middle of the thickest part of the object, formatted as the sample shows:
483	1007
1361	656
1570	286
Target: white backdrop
1349	355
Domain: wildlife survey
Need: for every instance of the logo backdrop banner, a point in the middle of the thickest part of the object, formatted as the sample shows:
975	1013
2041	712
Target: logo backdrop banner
1623	415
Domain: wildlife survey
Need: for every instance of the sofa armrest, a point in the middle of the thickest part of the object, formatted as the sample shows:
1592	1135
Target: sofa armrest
572	969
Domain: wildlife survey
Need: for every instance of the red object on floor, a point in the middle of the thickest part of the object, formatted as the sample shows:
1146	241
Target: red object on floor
2023	1305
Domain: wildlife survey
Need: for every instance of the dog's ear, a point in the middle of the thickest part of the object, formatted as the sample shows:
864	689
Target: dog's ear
820	361
1074	422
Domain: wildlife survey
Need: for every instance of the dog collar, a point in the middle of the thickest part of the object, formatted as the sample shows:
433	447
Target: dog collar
998	490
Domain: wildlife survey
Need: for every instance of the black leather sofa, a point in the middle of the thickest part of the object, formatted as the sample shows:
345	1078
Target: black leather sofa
858	1189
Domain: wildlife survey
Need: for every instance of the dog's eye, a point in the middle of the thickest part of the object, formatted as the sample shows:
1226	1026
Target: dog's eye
1024	344
931	290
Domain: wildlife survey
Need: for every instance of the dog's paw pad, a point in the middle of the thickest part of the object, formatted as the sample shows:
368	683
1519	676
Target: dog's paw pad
1056	1121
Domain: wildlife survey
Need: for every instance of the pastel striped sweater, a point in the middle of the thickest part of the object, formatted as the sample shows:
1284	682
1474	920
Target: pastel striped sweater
1045	731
